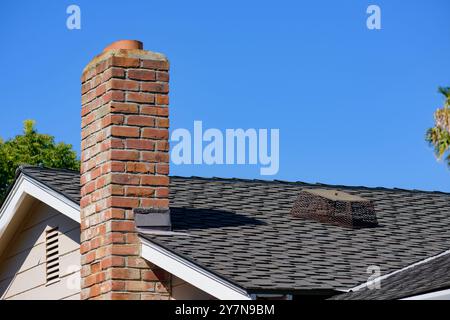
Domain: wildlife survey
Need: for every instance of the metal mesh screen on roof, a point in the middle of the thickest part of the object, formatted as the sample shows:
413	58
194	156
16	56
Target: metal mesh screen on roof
335	207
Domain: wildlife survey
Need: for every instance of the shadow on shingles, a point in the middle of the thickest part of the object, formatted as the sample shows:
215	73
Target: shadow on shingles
190	219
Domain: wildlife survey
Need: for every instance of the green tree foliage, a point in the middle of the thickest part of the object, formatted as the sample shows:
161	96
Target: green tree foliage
32	148
439	136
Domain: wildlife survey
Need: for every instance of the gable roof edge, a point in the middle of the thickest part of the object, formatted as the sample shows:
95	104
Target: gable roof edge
25	185
191	273
386	276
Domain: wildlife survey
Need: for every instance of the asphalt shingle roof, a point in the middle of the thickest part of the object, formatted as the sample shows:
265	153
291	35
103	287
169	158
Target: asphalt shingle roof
430	276
65	182
242	230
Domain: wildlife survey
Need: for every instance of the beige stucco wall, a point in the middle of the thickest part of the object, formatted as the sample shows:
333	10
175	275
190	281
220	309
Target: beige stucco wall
22	265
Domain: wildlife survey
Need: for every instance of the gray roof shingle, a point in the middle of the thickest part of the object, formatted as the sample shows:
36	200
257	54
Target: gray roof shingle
65	182
433	275
242	231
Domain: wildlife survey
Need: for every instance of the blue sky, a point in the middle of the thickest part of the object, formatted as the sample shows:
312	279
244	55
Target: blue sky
352	104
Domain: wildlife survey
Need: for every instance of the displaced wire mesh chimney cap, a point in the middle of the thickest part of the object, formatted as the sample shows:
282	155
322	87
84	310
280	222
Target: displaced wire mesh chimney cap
335	207
335	195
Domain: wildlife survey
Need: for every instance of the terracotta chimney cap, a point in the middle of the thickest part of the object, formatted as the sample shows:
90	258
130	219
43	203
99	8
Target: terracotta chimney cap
125	45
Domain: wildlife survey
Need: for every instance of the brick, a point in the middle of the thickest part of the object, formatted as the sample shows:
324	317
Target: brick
113	213
125	250
127	108
117	190
113	73
125	62
155	157
102	181
137	262
112	119
88	188
156	64
142	121
153	133
119	131
162	146
155	275
101	66
96	81
85	247
123	202
94	291
162	123
100	90
140	97
125	179
162	192
162	99
162	76
132	237
140	167
162	168
85	87
113	261
155	111
155	296
114	166
115	237
124	296
139	191
154	203
140	286
148	275
85	201
88	74
113	95
117	285
155	87
89	257
145	75
124	155
88	97
140	144
122	85
150	180
122	225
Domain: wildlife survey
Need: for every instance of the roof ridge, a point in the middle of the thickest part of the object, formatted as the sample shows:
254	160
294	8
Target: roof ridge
275	181
317	184
27	166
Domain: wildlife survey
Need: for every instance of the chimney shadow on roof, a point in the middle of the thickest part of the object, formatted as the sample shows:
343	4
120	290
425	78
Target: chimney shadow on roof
192	218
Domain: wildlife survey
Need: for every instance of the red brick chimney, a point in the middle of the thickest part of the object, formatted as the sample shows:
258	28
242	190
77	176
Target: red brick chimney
125	165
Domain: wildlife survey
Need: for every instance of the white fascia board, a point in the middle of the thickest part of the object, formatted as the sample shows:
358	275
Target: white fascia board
437	295
24	186
191	273
52	198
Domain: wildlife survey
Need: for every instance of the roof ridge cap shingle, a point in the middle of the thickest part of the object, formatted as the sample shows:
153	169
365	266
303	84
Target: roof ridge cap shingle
317	184
22	168
27	166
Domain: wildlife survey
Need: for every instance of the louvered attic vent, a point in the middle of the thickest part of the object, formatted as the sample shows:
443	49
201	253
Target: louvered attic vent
335	207
52	255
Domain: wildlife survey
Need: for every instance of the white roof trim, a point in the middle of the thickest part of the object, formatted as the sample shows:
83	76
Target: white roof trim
24	186
191	273
377	280
437	295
